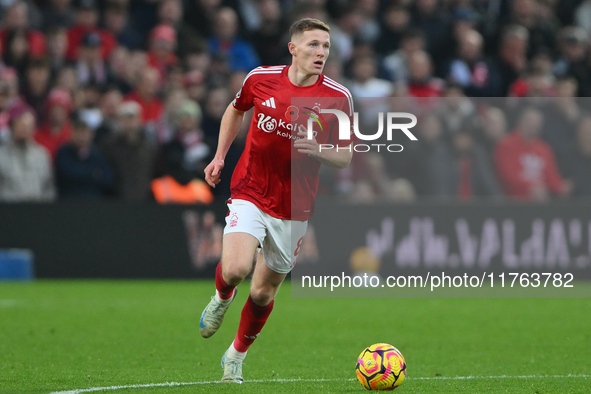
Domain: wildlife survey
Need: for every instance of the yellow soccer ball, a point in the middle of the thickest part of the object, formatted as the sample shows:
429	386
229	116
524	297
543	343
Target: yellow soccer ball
381	367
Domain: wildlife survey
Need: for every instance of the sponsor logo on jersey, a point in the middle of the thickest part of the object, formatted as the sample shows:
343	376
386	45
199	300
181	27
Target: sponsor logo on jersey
268	124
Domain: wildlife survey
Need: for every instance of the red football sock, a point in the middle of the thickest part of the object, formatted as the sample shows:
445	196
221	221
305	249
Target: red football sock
252	320
225	290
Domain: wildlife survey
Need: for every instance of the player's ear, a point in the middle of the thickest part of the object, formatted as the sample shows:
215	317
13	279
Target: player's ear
291	47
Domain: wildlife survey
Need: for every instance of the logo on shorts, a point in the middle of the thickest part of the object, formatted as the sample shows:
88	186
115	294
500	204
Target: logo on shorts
233	220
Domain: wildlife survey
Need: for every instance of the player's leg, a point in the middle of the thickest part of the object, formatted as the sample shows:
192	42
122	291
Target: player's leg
244	233
237	256
265	285
280	249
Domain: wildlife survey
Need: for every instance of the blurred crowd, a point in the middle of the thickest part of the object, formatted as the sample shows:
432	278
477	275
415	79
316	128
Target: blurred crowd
122	99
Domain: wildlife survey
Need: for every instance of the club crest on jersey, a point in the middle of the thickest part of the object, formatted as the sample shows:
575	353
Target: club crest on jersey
313	114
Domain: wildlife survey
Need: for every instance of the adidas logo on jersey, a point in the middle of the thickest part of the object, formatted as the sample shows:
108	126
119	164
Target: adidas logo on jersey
269	103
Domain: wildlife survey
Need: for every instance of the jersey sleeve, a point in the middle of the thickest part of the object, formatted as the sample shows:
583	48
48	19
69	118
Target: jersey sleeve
244	99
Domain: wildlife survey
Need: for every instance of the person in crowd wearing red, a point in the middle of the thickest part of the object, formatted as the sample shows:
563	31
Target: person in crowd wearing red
145	94
56	129
87	16
16	27
162	45
525	164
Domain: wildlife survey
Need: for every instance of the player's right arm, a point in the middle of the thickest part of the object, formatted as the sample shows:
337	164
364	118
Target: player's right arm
229	128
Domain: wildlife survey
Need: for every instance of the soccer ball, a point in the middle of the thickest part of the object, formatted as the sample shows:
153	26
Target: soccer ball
381	367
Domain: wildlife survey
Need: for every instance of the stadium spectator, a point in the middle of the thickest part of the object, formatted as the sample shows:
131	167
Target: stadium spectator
36	85
117	23
175	79
19	41
197	148
573	45
161	56
268	37
396	63
170	13
428	16
183	160
240	54
525	164
165	126
395	25
538	82
529	14
425	163
579	160
81	170
470	70
369	27
198	59
121	68
365	82
110	101
493	130
87	18
343	33
512	55
131	155
371	90
66	79
16	51
421	82
25	166
10	101
145	94
582	16
90	66
194	83
563	115
456	111
88	105
469	173
57	48
201	14
57	13
56	128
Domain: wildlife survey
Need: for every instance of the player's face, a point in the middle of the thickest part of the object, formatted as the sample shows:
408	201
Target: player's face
310	50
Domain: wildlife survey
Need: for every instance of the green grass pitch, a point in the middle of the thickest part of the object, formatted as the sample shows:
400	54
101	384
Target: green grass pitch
73	335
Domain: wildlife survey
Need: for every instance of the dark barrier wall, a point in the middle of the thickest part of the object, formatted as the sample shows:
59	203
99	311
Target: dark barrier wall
118	240
107	240
455	238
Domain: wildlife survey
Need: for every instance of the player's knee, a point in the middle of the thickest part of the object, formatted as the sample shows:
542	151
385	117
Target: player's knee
262	296
234	274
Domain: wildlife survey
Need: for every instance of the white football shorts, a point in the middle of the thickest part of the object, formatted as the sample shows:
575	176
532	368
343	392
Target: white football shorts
280	240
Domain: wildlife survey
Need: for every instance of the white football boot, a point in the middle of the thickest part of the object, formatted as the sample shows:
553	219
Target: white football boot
213	315
232	370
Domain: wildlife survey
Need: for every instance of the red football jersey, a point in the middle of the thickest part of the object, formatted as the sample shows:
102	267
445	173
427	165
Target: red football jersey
271	173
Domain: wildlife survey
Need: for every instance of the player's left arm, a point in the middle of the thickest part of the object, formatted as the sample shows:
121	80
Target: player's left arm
335	156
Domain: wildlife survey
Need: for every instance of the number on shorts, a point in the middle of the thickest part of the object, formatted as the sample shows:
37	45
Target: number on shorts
299	244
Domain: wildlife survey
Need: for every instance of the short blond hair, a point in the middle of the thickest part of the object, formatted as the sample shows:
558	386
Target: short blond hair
307	24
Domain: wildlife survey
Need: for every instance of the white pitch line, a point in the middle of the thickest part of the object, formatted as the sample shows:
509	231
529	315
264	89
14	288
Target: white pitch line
177	384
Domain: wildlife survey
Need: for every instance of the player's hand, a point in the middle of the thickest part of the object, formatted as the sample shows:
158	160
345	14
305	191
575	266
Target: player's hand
213	172
305	145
